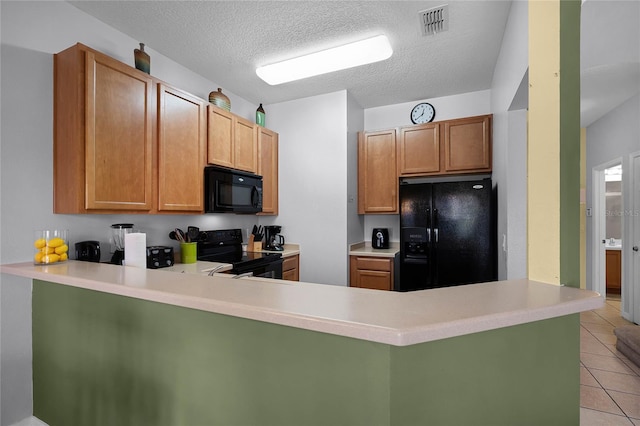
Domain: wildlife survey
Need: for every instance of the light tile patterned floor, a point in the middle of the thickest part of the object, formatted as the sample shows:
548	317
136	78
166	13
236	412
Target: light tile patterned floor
609	381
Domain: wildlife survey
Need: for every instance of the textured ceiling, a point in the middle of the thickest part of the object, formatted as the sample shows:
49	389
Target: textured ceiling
609	56
225	42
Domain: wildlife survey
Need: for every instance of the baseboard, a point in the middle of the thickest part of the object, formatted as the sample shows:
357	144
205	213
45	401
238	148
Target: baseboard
30	421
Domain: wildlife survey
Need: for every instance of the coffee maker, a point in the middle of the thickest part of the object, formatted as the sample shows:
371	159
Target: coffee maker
273	241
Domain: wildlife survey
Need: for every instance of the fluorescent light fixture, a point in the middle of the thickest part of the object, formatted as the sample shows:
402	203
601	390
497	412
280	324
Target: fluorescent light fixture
337	58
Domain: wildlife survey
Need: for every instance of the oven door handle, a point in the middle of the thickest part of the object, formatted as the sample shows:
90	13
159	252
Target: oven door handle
246	274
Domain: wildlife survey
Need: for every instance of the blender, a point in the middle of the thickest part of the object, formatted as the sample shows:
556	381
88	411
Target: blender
118	231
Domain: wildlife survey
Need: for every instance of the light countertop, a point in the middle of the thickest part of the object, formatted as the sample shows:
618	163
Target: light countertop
364	249
393	318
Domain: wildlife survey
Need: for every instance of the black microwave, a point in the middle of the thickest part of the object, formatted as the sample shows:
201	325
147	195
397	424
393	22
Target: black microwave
231	191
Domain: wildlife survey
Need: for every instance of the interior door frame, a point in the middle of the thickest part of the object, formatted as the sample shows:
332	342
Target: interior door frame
631	259
599	226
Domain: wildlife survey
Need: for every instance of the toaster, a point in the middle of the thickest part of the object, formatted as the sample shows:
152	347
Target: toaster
159	257
380	238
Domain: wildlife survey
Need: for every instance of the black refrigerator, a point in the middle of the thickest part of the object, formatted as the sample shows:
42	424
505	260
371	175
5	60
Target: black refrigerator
447	233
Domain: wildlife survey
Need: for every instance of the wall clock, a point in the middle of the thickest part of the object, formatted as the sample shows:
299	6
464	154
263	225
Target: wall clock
422	113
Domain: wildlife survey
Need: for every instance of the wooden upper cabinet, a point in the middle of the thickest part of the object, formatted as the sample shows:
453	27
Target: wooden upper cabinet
220	137
245	145
419	149
232	140
104	116
377	172
119	132
467	145
447	147
268	169
181	150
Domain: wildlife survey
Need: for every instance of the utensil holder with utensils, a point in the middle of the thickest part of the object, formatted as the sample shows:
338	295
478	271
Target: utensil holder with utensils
254	244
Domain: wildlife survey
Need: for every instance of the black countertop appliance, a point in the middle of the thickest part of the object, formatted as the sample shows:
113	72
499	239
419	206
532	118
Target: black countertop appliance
380	238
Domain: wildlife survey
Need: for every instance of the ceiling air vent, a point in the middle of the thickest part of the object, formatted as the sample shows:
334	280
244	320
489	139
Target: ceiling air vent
434	20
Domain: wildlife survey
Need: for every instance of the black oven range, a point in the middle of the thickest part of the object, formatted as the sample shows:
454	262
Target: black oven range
225	246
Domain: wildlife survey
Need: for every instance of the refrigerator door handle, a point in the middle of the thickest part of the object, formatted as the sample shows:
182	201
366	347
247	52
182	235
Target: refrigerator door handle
435	224
428	225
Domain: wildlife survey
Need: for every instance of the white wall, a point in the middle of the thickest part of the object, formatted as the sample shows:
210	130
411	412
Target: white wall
355	124
313	182
510	144
447	108
397	115
515	200
30	33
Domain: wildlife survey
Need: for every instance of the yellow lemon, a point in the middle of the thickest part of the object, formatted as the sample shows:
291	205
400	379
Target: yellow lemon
38	257
39	243
62	249
47	250
51	258
55	242
63	257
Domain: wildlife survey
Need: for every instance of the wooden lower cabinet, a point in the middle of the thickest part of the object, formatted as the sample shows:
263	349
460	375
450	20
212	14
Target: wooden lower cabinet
371	272
614	271
291	268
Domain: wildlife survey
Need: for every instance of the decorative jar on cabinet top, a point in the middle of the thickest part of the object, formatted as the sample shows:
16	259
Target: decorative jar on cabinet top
219	99
142	59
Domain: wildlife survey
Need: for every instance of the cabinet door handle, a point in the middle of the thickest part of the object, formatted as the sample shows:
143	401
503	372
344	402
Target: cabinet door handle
635	248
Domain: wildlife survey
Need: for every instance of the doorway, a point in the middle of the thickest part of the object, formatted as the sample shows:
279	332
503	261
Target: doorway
607	229
603	238
613	230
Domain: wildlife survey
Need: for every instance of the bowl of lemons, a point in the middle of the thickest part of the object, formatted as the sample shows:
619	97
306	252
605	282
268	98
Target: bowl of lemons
51	246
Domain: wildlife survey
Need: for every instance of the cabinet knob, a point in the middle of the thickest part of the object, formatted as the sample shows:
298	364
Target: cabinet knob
635	248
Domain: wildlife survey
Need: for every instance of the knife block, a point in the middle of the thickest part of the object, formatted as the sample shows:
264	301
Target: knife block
253	244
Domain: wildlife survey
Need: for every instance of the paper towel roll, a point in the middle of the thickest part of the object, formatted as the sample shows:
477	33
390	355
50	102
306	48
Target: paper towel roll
135	250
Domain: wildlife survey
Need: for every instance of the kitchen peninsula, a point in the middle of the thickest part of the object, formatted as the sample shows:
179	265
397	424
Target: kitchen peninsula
121	345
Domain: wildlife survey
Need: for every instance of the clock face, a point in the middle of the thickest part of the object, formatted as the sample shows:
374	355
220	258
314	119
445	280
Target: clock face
422	113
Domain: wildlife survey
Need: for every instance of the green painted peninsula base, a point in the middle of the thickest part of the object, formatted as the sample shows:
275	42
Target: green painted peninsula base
101	359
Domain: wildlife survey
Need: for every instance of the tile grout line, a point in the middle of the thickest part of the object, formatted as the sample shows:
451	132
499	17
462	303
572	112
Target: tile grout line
616	356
